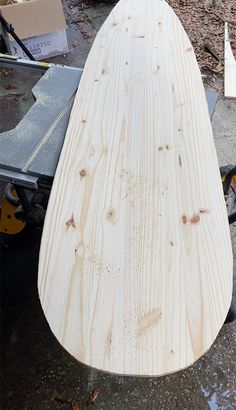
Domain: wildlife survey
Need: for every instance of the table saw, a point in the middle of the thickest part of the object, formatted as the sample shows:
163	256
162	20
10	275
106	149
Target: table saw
29	153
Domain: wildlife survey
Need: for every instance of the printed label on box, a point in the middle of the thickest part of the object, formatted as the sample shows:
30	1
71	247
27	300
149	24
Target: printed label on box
41	47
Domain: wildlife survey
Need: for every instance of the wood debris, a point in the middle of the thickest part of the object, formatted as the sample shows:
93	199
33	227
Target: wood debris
204	23
9	86
210	50
16	1
16	93
4	72
92	397
230	68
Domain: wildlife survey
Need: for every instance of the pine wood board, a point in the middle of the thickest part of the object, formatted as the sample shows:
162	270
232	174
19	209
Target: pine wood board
135	270
230	68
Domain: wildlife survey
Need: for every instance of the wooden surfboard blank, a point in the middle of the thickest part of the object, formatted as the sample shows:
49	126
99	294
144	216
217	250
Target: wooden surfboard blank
135	272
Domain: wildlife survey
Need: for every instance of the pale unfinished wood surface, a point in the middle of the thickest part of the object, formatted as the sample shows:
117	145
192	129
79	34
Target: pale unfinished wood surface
230	68
135	272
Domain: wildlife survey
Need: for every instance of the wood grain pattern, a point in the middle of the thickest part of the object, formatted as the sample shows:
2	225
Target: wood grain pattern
135	272
230	68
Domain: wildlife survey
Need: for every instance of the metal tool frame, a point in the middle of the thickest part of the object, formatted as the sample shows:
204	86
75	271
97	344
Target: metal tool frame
24	178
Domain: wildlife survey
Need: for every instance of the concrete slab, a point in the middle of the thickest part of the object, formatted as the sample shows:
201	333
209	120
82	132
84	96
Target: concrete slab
224	120
226	149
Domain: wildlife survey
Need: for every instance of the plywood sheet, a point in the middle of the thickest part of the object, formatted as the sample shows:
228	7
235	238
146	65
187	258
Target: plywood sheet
135	272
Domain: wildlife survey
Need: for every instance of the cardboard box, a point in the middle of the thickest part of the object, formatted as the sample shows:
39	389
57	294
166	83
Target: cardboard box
40	24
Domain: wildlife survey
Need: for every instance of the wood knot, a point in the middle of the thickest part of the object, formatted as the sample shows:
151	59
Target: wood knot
70	222
161	147
83	173
111	216
195	219
204	211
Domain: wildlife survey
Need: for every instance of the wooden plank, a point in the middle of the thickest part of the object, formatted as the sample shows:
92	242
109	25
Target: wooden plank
135	271
230	68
